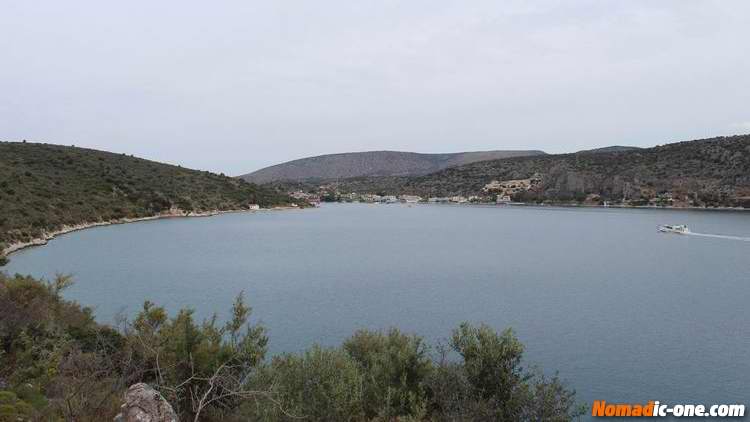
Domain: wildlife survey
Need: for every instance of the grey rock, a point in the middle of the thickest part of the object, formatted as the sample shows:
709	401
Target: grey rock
144	404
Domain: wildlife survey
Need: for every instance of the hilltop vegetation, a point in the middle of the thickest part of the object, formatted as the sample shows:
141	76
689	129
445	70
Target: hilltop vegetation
45	187
709	172
372	163
57	363
613	148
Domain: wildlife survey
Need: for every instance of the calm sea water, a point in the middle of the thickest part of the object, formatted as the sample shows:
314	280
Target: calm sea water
622	312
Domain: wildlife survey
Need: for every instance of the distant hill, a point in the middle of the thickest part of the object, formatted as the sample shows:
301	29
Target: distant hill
707	172
45	187
614	148
372	163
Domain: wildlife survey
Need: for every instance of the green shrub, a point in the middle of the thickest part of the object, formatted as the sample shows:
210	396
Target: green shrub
318	385
8	397
394	366
12	409
492	361
489	383
202	367
31	395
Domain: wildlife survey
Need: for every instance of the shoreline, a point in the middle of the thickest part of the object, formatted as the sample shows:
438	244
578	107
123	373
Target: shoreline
635	207
563	205
172	213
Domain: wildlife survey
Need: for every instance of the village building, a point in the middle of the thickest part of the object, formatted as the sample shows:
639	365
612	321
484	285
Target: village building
410	199
309	197
389	199
503	199
505	189
435	200
511	187
369	197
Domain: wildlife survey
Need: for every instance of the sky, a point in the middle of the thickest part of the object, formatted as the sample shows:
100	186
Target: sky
233	86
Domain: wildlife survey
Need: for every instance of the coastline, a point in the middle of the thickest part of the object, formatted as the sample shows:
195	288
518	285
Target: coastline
172	213
569	205
637	207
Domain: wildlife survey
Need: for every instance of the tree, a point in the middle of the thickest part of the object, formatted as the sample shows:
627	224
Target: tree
492	361
317	385
499	388
200	368
394	365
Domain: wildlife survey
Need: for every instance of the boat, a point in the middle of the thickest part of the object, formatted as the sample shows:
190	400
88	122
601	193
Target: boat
676	228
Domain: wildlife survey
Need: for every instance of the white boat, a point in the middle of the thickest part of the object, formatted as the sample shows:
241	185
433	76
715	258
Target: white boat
677	228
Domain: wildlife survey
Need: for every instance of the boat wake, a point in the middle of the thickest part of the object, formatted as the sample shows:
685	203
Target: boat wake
720	236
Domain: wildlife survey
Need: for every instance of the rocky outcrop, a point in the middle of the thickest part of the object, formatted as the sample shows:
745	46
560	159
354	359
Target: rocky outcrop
144	404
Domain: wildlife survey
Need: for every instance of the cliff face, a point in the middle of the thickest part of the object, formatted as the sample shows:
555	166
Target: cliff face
372	163
708	172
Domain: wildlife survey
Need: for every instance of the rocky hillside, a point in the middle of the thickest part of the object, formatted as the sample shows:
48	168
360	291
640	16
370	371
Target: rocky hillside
45	187
708	172
373	163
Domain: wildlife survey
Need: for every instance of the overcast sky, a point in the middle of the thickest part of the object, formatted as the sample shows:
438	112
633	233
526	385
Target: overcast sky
232	86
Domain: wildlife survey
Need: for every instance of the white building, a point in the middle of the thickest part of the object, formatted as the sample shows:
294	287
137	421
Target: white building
459	199
503	199
410	199
390	199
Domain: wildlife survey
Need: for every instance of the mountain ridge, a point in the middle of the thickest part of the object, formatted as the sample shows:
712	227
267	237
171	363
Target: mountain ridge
612	148
373	163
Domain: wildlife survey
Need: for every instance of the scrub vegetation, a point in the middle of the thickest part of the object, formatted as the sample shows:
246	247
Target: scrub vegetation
45	187
57	363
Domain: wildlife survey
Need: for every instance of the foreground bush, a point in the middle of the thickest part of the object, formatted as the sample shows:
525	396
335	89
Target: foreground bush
57	363
396	366
318	384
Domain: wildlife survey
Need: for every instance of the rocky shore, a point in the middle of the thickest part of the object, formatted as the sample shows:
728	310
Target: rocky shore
171	213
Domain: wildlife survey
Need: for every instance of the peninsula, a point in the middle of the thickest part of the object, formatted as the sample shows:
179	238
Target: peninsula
48	189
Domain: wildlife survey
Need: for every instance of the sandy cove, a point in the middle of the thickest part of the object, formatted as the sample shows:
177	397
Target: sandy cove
172	213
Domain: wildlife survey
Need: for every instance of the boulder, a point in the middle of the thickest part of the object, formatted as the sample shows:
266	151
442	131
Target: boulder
144	404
